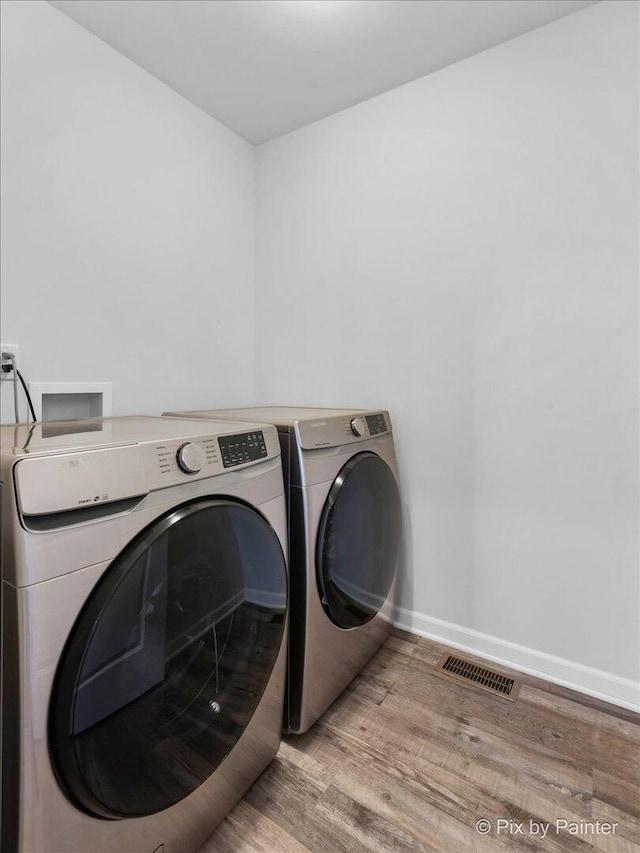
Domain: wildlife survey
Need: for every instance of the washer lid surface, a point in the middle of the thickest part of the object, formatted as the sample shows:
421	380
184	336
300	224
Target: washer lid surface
59	436
358	541
168	659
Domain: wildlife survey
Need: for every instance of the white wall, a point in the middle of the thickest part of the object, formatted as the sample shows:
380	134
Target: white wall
127	225
464	251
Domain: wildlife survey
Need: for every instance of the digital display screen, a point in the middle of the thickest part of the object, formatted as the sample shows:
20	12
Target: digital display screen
376	424
238	449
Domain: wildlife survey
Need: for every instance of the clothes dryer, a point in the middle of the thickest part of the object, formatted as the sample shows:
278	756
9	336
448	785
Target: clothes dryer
344	537
144	602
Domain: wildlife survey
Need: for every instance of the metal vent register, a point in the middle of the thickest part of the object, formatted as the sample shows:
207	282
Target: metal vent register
487	679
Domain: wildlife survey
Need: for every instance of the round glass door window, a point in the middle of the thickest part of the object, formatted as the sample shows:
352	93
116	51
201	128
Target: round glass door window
358	541
168	660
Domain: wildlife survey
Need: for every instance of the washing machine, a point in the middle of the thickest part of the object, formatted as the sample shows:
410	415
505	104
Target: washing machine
144	606
344	536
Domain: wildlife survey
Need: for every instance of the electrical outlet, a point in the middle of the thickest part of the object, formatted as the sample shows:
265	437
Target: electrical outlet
13	349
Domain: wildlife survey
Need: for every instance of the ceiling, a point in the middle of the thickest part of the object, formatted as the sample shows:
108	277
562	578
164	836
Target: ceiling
266	67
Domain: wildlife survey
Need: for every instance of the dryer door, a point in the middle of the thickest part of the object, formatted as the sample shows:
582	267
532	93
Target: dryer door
168	660
358	541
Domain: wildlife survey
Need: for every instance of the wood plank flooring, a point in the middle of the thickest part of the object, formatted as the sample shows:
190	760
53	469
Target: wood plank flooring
409	760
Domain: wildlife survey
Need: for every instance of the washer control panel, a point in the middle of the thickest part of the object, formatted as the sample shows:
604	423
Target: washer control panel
191	457
241	448
57	482
186	457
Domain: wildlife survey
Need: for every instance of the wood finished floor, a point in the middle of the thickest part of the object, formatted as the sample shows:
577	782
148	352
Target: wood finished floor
409	760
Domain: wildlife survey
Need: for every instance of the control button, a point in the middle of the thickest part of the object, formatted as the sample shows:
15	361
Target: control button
358	426
190	458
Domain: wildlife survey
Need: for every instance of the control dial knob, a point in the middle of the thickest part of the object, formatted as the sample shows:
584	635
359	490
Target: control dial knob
358	427
190	458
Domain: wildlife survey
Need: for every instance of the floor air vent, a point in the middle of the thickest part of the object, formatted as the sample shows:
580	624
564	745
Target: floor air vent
482	677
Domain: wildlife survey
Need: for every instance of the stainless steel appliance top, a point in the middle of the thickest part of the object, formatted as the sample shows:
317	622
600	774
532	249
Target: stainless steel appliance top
67	436
60	466
280	416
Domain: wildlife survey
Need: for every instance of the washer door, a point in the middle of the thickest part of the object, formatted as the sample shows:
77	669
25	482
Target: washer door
358	541
168	659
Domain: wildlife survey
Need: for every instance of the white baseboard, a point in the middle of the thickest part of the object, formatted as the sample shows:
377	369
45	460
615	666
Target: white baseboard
576	676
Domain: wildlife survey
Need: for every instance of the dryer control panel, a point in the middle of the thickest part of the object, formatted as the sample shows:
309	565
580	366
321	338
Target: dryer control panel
337	431
376	423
